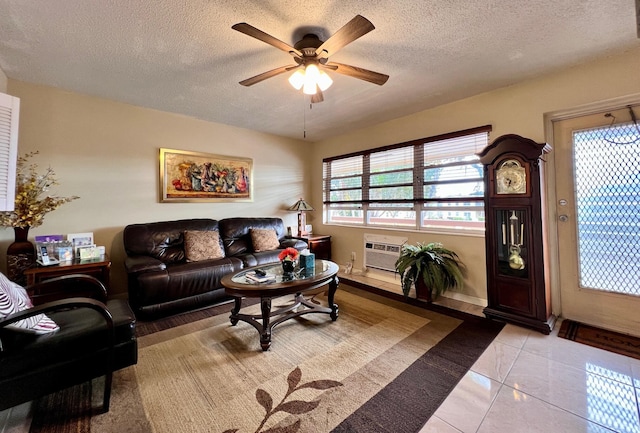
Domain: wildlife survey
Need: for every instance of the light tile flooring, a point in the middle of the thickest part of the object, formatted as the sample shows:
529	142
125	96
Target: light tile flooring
529	382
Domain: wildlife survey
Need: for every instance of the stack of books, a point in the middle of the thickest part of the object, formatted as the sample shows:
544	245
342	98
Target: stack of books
254	278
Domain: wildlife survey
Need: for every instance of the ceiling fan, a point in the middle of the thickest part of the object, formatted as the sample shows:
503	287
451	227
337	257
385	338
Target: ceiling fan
312	58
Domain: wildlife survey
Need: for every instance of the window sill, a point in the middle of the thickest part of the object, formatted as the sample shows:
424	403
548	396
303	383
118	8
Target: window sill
449	232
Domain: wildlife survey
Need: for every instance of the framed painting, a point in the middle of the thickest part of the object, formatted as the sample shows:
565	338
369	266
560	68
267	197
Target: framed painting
201	177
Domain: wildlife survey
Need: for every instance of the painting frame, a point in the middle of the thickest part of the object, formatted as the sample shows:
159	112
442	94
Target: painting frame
197	177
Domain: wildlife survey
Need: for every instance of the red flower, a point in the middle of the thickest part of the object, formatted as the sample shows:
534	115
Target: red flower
289	253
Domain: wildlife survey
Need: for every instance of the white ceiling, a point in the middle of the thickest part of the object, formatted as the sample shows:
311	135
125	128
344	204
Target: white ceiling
182	56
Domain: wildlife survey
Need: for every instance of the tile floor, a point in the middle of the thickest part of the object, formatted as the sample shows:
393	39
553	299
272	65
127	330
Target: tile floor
530	382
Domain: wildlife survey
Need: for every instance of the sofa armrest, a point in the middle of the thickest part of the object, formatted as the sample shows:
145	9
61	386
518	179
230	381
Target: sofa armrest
295	243
63	304
141	264
67	286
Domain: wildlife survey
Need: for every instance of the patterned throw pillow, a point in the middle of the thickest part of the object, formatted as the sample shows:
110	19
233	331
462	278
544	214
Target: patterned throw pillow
14	298
202	245
264	239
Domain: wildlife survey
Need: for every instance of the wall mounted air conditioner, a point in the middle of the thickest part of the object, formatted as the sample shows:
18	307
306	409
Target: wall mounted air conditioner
381	252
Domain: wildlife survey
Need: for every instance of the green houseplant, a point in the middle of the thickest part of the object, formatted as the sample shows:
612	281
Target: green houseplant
431	267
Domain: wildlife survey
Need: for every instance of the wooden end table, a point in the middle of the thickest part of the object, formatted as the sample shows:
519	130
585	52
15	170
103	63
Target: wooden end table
99	268
240	287
320	245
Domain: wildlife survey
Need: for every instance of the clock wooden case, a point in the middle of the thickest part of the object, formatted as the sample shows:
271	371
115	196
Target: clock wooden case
517	270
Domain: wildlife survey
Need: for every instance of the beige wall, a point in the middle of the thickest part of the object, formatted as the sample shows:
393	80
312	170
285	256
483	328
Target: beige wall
107	153
518	109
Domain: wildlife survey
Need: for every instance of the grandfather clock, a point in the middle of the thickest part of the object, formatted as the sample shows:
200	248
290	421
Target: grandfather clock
517	269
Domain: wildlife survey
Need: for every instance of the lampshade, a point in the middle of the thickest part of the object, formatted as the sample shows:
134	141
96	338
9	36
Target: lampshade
324	81
297	79
301	206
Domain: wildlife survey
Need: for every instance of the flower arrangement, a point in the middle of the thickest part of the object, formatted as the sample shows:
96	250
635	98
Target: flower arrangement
288	254
30	207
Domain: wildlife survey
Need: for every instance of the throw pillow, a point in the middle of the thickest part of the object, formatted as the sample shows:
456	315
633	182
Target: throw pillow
264	239
13	299
202	245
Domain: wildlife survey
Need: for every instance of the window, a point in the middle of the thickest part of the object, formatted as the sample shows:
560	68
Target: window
431	183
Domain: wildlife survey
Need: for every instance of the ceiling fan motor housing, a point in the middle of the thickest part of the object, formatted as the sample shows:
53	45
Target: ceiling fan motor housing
308	44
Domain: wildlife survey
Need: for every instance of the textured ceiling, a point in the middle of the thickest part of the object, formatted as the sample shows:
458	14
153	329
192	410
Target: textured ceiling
183	57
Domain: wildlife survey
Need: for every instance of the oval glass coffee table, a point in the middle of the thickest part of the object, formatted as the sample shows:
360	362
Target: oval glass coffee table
241	286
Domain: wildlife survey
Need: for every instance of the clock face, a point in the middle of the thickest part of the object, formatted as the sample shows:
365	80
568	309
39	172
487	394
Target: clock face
511	178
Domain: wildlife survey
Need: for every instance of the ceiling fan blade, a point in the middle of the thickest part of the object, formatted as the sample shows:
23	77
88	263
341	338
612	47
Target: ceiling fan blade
249	30
318	97
351	31
272	73
355	72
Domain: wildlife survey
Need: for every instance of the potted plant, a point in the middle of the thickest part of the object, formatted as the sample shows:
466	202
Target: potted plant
431	267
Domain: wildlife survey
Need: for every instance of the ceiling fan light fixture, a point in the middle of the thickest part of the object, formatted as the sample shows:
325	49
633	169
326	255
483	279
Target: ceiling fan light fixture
297	79
310	88
311	76
324	81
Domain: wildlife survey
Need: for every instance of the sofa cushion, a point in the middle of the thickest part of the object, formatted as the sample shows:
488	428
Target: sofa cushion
183	280
264	239
202	245
13	299
163	240
235	232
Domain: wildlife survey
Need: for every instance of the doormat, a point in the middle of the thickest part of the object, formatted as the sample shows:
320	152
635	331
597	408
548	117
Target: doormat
601	338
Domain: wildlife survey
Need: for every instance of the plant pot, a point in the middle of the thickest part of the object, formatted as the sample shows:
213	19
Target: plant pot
20	256
423	293
288	266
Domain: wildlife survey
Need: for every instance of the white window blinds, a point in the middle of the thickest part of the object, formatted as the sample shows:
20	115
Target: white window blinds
430	182
9	110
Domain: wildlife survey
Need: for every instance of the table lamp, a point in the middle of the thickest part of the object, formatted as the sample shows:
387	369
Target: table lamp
301	207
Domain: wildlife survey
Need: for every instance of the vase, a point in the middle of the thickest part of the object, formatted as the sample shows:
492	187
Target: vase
20	256
288	266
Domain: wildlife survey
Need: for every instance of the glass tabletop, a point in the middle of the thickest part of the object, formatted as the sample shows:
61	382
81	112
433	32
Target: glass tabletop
275	274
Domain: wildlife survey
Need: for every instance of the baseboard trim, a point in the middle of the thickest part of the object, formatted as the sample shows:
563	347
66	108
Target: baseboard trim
465	298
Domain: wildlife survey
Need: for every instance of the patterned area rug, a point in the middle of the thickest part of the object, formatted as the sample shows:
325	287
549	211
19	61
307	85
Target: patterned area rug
383	366
601	338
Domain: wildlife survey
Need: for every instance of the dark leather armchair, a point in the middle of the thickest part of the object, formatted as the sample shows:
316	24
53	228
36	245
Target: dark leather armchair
96	337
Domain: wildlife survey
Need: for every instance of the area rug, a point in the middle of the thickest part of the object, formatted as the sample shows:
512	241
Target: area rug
383	366
601	338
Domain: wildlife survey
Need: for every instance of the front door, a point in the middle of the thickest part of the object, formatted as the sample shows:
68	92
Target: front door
597	160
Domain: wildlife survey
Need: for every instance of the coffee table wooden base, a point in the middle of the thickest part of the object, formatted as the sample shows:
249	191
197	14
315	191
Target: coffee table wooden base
268	320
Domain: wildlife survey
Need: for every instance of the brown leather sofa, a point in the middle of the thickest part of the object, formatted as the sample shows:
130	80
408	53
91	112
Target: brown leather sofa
162	282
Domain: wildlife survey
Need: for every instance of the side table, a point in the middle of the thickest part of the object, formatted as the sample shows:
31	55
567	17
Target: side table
99	268
320	245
